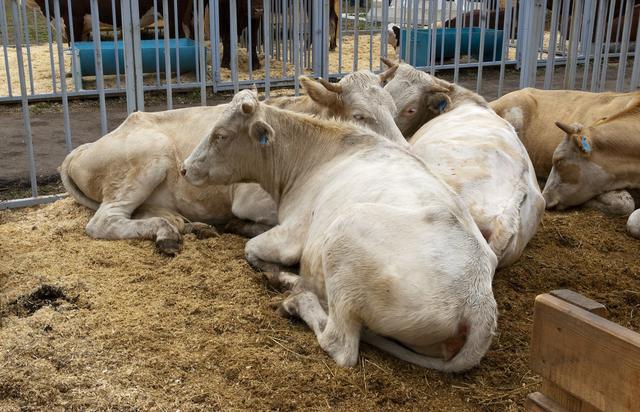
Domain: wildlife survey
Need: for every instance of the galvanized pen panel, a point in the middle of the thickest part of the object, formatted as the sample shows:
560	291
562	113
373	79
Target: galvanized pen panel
142	49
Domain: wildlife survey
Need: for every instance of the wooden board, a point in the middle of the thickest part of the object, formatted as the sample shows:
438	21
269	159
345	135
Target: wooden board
580	301
593	359
538	402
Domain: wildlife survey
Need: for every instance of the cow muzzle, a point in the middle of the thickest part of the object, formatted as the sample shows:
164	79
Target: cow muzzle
192	175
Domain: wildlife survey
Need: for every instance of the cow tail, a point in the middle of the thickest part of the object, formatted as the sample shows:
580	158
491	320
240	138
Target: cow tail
481	331
71	186
481	318
508	223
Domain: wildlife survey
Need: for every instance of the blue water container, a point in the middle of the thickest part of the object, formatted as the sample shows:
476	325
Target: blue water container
469	35
188	50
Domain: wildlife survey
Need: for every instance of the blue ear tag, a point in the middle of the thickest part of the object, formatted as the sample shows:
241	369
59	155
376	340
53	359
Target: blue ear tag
263	139
586	147
442	106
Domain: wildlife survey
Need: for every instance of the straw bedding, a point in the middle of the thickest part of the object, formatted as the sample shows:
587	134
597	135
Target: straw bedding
90	324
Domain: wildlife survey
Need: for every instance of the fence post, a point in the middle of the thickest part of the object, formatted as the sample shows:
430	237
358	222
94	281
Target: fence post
326	28
317	28
97	43
137	53
129	66
530	15
574	40
23	94
626	33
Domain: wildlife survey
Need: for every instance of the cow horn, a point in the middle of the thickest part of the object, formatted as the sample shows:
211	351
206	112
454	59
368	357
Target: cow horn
388	62
387	74
438	89
334	87
566	128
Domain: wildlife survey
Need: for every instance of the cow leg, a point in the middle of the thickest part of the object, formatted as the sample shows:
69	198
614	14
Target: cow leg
279	246
334	8
285	280
226	51
338	334
78	27
333	31
113	220
616	203
200	230
245	228
255	59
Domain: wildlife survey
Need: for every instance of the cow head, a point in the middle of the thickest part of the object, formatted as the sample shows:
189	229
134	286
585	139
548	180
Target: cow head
257	8
222	156
358	97
419	97
575	177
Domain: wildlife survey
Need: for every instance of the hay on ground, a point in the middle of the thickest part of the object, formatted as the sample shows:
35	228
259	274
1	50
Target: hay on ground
130	329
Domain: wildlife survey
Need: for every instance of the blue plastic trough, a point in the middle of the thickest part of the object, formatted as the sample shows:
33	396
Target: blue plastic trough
188	49
423	44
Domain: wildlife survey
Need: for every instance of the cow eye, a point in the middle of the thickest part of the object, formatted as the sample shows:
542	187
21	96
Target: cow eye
358	117
410	111
219	137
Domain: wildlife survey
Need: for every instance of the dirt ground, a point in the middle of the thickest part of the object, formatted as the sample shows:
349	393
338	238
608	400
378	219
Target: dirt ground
88	324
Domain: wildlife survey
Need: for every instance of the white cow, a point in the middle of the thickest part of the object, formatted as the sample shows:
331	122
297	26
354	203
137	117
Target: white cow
476	152
385	248
130	176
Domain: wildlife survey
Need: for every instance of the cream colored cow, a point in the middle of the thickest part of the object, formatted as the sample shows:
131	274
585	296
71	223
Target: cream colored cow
385	248
476	152
532	112
603	158
130	176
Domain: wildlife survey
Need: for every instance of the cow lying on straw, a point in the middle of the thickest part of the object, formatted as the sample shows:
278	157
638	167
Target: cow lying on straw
130	176
385	248
465	143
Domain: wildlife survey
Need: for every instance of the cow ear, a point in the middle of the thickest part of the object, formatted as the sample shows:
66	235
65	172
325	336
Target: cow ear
583	142
322	92
439	102
262	133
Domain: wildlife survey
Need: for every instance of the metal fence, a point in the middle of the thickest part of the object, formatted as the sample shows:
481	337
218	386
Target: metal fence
55	50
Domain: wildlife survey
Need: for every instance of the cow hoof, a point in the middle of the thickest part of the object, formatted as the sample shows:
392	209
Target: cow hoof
205	232
272	279
288	308
169	247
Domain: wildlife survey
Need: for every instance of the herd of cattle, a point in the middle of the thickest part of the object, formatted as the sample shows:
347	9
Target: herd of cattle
397	195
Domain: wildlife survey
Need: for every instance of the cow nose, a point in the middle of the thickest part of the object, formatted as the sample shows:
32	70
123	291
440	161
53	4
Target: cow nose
183	171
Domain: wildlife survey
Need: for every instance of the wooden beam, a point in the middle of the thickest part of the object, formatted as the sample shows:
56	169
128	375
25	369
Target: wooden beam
594	360
538	402
580	301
